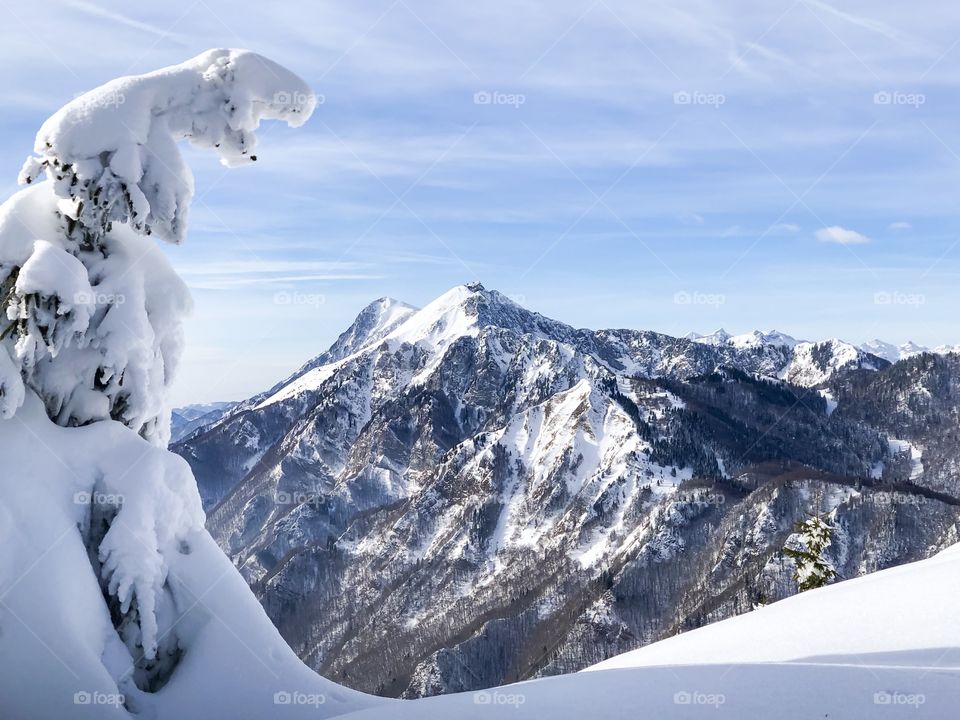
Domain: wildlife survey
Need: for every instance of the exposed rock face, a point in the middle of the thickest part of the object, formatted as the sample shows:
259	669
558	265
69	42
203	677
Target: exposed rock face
472	494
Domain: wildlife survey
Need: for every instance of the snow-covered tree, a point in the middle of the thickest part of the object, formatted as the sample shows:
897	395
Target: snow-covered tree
808	546
92	310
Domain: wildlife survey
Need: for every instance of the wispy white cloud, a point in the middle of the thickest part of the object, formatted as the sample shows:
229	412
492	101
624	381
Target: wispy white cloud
784	229
235	274
114	16
264	267
863	22
841	236
222	282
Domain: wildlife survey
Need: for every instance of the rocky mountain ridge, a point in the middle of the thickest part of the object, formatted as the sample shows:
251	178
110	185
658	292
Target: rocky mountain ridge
472	493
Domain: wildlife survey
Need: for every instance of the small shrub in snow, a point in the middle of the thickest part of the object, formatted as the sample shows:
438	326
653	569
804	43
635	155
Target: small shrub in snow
807	548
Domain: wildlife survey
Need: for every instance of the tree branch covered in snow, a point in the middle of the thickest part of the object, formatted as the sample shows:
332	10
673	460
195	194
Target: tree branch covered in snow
112	155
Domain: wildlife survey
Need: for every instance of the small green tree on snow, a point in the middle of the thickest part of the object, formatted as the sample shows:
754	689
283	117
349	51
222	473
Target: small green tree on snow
807	548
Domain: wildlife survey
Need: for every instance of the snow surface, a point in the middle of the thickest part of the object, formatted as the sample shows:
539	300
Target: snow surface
832	403
916	455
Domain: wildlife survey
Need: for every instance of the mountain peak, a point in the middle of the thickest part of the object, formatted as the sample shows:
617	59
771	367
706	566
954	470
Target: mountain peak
718	337
466	310
374	322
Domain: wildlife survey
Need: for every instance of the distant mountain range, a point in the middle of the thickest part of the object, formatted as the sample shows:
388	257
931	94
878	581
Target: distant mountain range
892	353
185	420
888	351
471	493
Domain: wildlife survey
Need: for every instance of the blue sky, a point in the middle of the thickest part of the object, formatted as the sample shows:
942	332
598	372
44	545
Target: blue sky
612	163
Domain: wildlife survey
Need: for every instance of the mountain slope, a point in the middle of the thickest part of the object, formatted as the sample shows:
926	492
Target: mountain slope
879	646
622	484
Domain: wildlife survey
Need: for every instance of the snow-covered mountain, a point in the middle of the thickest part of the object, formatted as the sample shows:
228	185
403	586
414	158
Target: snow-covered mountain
189	418
878	348
805	363
893	353
623	485
751	339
